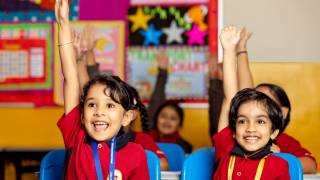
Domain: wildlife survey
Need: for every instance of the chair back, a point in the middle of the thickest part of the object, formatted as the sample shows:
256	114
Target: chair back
199	165
52	165
153	165
175	155
295	167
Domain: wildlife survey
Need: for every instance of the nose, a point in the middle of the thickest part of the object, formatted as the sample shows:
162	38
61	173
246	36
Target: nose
251	127
99	111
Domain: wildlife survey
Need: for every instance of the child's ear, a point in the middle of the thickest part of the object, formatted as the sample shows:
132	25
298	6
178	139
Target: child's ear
274	134
128	117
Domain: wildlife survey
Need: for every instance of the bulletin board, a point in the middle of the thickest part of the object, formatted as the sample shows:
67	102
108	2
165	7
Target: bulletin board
187	72
109	50
32	10
181	30
25	62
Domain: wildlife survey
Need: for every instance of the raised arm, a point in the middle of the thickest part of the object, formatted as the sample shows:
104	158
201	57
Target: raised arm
245	79
229	38
215	92
158	96
67	56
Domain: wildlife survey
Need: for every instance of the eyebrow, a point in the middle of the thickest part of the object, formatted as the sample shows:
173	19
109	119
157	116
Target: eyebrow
265	116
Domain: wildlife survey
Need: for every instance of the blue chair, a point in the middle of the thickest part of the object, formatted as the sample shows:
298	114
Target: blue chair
175	155
199	165
295	167
153	165
52	165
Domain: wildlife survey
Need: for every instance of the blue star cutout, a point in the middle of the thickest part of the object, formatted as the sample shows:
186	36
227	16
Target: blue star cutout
151	35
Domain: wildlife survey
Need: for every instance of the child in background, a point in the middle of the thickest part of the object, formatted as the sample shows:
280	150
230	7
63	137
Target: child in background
166	116
88	69
248	123
92	130
143	138
284	142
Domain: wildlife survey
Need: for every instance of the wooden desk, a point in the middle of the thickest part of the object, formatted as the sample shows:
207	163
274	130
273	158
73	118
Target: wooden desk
16	156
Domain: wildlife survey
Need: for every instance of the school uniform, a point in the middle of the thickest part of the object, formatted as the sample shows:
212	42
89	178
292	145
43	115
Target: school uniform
288	144
245	168
147	143
173	138
131	160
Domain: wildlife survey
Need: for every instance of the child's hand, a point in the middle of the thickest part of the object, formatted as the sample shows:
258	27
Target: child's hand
244	37
76	45
88	42
229	38
275	148
163	60
61	10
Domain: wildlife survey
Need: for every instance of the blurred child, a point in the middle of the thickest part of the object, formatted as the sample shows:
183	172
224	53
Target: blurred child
248	123
92	130
166	116
284	142
143	138
89	69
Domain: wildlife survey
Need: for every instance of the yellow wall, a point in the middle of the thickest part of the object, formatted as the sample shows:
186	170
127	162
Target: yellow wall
28	127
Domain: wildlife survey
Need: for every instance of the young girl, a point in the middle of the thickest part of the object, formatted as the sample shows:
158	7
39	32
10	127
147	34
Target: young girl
284	142
89	69
248	122
91	130
166	116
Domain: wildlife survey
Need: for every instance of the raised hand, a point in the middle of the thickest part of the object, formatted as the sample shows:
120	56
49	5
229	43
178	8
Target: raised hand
229	37
163	60
88	41
61	10
244	37
76	45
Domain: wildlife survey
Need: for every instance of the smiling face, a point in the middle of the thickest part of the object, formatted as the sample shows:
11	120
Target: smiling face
103	117
253	127
168	121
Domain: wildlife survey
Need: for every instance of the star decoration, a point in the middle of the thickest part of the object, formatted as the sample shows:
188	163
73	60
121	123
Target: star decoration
151	35
139	20
173	33
195	35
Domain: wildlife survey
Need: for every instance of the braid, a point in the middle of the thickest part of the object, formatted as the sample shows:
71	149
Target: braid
143	116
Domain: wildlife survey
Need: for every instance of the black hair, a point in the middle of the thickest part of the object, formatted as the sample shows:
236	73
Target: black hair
141	107
249	95
175	106
116	90
281	96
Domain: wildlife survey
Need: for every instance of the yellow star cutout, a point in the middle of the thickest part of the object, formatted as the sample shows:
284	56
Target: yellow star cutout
139	20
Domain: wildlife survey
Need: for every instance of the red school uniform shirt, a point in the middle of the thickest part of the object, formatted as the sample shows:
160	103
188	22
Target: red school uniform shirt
131	160
288	144
245	168
148	143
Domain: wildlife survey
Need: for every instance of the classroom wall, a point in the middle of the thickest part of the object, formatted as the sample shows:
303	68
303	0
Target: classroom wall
29	127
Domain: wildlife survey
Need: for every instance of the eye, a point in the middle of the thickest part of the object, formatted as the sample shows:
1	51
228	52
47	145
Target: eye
110	105
241	121
91	104
261	121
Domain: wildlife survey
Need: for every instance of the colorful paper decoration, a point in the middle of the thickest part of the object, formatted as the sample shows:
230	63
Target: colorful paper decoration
174	33
172	21
31	10
109	50
167	2
139	20
151	35
195	35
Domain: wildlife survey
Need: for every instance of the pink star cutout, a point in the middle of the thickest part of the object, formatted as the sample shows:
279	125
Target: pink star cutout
195	35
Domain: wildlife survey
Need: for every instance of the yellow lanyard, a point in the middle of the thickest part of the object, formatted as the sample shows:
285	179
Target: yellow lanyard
231	167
